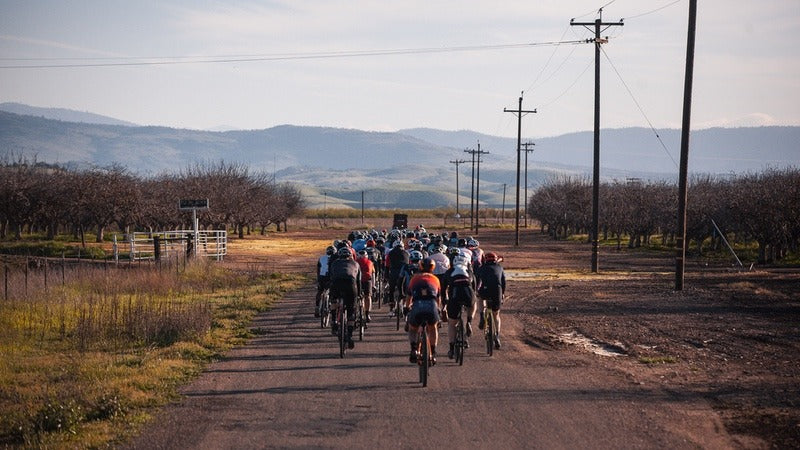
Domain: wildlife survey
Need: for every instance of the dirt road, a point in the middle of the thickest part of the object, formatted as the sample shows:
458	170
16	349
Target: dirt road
289	388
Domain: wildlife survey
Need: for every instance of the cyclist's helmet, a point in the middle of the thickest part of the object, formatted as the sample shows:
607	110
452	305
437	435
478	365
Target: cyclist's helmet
362	253
344	252
370	243
330	250
453	251
398	243
427	265
491	257
462	242
415	256
473	243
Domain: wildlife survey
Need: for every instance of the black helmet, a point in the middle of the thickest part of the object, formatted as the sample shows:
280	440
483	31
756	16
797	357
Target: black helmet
344	252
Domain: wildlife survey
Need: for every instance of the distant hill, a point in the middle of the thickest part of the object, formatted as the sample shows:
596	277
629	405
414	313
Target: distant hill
393	165
714	150
65	115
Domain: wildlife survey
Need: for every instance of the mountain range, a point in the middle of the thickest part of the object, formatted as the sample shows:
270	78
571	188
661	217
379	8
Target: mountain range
396	168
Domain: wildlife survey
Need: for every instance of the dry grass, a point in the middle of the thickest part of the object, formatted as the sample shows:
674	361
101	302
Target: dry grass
82	363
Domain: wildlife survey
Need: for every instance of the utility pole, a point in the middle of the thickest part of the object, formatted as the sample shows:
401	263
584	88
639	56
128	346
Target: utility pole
596	167
527	150
503	216
362	207
684	164
476	185
472	188
519	113
478	188
457	162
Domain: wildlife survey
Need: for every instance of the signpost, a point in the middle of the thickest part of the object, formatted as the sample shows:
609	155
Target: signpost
194	205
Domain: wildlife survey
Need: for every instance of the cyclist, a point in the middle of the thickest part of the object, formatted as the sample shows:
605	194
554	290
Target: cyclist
323	279
442	264
345	285
477	254
422	306
396	259
414	258
491	288
459	287
367	276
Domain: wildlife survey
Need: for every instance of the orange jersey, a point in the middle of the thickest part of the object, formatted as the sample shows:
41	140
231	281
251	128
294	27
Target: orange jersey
424	286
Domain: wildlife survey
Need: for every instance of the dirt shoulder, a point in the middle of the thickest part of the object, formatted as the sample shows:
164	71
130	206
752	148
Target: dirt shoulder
730	337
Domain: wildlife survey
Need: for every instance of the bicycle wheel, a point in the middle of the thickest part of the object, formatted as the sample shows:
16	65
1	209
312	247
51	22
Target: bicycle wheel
342	331
398	311
460	339
362	322
490	332
425	356
324	309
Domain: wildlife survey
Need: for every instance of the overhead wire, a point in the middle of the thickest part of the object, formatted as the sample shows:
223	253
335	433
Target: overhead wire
158	61
641	110
655	10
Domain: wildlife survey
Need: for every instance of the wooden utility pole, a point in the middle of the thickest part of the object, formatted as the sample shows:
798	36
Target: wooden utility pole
457	162
519	113
598	23
476	182
684	164
472	188
527	150
503	214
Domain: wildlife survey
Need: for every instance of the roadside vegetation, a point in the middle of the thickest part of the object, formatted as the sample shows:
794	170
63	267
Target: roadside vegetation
84	362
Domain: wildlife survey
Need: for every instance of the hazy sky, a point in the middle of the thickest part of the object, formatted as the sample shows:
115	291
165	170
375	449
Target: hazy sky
304	67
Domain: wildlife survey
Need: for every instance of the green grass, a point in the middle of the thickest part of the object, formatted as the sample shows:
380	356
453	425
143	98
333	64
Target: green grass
657	360
84	364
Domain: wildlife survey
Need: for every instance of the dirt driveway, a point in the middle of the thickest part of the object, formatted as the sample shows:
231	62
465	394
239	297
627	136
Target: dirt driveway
615	360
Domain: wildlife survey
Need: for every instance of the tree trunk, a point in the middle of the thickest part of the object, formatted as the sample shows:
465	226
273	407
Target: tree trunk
100	230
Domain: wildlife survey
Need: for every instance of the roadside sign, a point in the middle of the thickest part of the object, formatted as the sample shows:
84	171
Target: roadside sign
188	205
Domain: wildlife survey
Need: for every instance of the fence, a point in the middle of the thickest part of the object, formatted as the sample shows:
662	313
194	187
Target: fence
171	244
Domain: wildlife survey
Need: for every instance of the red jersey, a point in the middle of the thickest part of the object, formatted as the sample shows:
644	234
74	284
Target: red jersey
424	286
367	268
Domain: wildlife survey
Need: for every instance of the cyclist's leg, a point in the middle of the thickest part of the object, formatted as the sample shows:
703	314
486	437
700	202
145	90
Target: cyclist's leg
366	288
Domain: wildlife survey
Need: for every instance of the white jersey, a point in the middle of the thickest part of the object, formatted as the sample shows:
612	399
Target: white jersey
442	263
467	253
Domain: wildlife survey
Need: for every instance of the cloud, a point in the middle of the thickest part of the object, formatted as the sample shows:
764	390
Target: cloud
56	44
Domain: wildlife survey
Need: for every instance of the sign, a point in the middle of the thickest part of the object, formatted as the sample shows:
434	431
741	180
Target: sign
188	205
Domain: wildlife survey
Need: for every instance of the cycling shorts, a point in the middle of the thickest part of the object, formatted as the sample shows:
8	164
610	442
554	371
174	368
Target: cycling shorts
423	311
460	295
492	296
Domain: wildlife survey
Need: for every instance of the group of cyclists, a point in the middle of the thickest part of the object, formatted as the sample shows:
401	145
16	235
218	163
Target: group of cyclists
433	275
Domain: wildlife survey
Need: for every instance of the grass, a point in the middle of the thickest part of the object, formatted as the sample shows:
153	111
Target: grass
83	364
650	360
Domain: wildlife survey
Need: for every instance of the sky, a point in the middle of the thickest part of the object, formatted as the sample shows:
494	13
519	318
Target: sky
337	63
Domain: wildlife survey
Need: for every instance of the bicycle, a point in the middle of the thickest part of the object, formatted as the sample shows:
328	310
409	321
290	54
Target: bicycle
489	330
360	320
398	311
423	353
325	309
460	343
341	320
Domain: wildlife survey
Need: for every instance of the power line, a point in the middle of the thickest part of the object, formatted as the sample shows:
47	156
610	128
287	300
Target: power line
655	10
639	106
159	61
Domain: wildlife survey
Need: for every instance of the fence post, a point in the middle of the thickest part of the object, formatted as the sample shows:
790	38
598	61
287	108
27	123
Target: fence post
6	280
45	274
26	275
64	263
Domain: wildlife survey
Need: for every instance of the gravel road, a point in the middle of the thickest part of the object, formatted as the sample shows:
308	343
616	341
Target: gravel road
288	388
